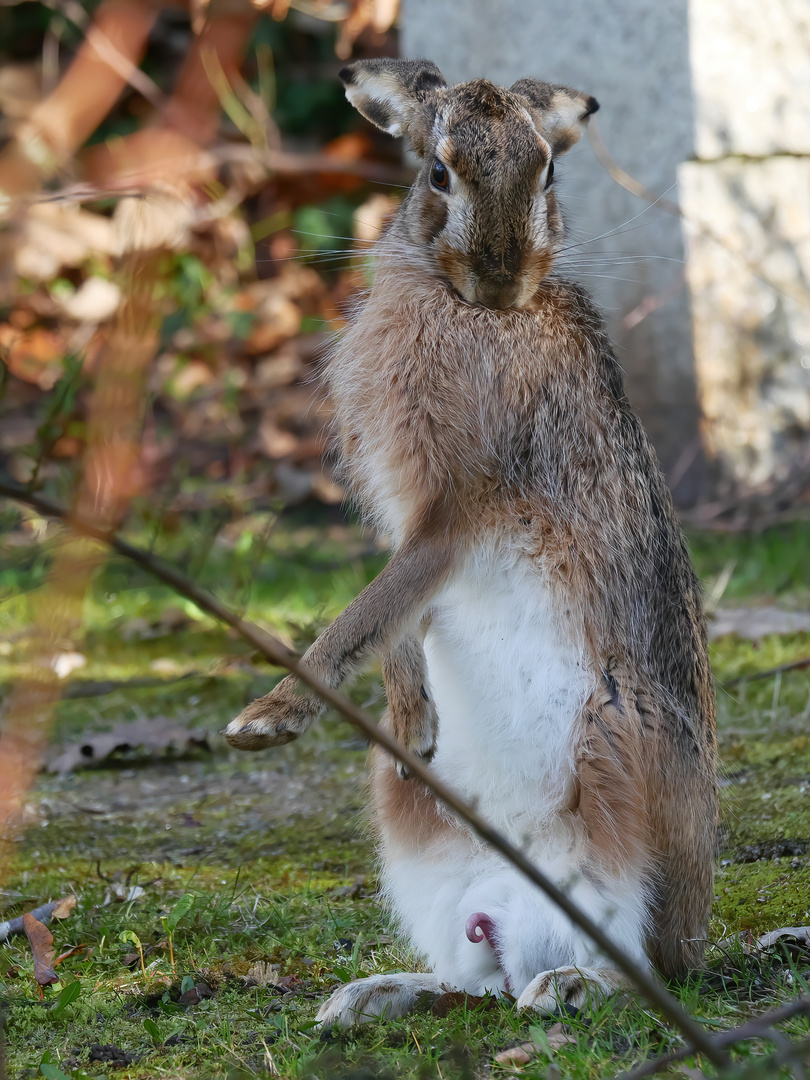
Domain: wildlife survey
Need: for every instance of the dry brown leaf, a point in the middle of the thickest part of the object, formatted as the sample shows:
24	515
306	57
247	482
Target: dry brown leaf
517	1055
263	974
152	735
799	934
53	236
41	941
34	356
557	1036
74	952
64	908
275	442
96	300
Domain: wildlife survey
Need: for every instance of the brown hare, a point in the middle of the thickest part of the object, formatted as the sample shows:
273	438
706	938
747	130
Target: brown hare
539	622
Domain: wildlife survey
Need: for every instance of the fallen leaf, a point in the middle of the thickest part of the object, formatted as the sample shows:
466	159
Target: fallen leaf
517	1055
59	909
557	1036
196	994
152	735
74	952
799	934
275	442
95	300
64	907
41	941
263	974
54	235
35	355
756	622
121	894
453	998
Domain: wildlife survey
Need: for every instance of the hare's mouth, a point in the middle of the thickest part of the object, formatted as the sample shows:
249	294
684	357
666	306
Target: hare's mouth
494	291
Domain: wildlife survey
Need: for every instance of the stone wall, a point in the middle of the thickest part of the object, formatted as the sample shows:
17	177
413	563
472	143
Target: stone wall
707	101
746	201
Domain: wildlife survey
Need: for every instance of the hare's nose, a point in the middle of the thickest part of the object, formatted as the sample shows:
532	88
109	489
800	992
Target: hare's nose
494	291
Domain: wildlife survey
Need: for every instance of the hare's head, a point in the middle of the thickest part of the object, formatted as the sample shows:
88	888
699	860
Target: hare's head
482	208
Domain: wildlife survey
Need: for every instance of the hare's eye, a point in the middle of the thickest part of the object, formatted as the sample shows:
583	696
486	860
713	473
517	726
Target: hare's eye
549	174
439	176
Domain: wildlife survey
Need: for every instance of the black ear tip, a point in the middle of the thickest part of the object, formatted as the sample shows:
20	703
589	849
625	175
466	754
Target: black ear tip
346	76
592	107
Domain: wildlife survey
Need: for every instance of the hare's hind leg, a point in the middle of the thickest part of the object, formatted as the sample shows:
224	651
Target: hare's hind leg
579	988
378	997
409	810
684	823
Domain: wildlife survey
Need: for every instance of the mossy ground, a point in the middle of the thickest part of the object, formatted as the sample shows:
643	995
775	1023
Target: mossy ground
272	852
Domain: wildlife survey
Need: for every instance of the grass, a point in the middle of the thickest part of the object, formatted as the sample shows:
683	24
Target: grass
256	877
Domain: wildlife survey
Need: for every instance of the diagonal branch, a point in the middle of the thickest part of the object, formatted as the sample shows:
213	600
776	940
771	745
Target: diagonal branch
794	665
279	654
754	1029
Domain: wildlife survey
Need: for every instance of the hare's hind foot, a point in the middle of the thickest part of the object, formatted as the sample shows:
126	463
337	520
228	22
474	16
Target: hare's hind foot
378	997
576	988
275	719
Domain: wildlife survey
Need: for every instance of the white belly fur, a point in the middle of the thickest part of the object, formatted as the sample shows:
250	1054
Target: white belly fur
507	671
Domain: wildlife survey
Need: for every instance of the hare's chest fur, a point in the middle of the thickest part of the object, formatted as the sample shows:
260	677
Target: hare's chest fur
507	672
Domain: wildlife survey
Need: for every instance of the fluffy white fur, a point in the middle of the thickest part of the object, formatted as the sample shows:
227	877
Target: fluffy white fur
508	677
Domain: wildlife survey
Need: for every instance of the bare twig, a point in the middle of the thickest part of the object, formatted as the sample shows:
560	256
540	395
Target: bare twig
278	653
41	914
754	1029
635	187
794	665
624	179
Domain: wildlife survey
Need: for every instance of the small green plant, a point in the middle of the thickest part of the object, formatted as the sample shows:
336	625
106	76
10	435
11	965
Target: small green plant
131	936
153	1031
67	995
170	922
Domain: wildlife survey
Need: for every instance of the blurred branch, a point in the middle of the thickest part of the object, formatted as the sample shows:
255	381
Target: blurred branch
275	651
624	179
759	1028
794	665
635	187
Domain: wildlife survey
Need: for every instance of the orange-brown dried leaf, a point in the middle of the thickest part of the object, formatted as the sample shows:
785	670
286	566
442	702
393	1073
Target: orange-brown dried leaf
41	941
34	356
74	952
64	908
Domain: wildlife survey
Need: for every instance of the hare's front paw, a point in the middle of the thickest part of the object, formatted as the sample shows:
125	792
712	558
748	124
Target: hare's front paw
576	987
417	731
423	746
275	719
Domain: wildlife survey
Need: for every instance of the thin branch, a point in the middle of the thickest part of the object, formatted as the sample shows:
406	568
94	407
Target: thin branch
754	1029
279	654
42	914
794	665
624	179
635	187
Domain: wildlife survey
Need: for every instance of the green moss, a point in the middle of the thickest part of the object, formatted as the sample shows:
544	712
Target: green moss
273	851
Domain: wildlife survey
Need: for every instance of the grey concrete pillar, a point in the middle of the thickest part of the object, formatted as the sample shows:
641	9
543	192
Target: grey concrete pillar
673	89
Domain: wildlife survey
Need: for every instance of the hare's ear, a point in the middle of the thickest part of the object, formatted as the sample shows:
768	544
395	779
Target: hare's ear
560	113
396	95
